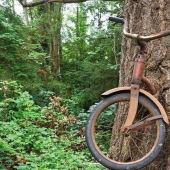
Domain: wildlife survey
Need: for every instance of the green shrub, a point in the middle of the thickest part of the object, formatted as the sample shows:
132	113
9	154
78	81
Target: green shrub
41	138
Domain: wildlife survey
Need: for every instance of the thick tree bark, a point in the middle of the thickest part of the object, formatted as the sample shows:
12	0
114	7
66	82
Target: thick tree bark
148	17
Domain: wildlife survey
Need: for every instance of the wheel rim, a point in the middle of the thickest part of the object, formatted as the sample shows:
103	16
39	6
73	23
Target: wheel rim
129	149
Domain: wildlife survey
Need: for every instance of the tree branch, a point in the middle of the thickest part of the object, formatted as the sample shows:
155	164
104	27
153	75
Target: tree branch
32	4
40	2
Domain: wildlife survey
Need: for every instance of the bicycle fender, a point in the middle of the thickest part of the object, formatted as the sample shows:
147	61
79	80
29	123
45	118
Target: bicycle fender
151	97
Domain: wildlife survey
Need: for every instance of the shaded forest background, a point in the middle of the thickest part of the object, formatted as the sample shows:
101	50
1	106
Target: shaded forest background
54	64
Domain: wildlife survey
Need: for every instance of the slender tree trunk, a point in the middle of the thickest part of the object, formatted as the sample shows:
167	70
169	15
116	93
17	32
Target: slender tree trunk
26	14
54	27
148	17
13	5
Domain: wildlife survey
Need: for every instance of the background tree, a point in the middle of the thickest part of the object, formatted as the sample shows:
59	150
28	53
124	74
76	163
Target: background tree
145	18
48	22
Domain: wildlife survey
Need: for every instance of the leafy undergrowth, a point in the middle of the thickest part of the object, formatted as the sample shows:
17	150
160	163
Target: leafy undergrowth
36	138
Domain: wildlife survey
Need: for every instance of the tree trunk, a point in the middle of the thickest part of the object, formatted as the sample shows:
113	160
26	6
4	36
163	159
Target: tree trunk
54	27
26	14
147	17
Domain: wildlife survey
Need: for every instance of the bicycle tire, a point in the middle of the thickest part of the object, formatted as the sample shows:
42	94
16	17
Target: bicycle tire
131	162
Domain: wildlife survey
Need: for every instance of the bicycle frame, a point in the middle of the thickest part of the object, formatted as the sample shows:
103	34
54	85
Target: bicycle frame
137	79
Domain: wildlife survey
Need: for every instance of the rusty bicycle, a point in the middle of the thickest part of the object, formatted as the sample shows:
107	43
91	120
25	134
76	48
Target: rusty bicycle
128	118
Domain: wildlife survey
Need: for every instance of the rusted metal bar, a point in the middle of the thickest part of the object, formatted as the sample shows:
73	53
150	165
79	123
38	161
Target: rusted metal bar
142	124
138	70
138	37
149	85
134	96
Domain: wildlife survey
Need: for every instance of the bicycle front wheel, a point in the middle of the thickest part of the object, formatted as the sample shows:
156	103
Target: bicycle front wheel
118	151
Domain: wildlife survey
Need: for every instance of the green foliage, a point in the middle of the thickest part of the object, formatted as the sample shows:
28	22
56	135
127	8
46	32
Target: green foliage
7	153
41	149
42	98
39	131
89	86
16	103
92	67
39	138
20	53
92	63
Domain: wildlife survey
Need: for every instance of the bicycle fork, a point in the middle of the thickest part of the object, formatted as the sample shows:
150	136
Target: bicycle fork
137	78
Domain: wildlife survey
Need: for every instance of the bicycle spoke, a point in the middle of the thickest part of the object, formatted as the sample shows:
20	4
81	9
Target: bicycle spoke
143	118
137	147
139	111
136	138
130	150
142	133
